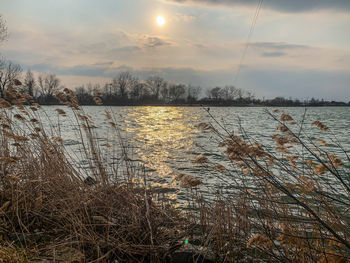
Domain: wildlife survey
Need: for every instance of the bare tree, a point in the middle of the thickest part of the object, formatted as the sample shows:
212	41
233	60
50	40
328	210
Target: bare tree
216	93
239	93
9	72
108	88
137	91
90	88
29	83
235	92
48	84
155	84
227	92
124	82
84	94
112	88
164	92
177	91
250	95
193	92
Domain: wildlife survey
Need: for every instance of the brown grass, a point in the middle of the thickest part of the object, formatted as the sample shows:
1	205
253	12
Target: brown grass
50	211
298	210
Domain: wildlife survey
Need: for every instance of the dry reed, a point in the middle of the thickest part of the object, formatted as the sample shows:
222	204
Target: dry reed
50	211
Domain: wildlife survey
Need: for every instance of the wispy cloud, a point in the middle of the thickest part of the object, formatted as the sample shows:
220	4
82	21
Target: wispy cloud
279	45
273	54
184	17
153	42
121	52
108	63
290	6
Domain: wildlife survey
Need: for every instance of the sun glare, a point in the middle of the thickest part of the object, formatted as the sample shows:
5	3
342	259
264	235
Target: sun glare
161	20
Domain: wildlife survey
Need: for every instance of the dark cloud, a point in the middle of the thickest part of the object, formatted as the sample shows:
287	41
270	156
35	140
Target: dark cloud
104	63
290	6
273	54
277	49
278	45
153	42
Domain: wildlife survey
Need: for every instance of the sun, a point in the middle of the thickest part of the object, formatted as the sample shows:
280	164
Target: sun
161	20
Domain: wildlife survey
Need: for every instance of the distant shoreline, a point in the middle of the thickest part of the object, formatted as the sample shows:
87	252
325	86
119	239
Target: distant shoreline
205	105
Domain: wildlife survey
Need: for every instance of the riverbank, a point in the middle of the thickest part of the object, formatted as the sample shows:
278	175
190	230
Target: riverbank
212	104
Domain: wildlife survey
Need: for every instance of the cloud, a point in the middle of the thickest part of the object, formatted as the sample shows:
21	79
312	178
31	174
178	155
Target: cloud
184	17
67	48
278	45
277	49
108	63
289	6
273	54
153	42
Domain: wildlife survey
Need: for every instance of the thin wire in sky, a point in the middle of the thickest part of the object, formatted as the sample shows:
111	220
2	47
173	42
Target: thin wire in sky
251	31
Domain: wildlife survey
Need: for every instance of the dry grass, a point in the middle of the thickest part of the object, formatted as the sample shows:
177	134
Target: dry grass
52	212
298	209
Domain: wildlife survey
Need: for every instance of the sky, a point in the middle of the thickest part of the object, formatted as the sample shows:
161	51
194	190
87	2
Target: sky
298	49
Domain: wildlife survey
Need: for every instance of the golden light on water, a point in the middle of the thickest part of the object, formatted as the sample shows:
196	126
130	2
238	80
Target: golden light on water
163	135
161	20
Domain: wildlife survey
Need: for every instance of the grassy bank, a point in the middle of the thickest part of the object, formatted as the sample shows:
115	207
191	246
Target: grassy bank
50	211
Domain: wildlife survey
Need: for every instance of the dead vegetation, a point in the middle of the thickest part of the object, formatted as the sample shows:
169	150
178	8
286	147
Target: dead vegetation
50	211
298	209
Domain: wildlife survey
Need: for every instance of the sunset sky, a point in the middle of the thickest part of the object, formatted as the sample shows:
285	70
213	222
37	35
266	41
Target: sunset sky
299	48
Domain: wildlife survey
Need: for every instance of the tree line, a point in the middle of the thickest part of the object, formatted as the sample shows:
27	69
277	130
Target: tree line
126	89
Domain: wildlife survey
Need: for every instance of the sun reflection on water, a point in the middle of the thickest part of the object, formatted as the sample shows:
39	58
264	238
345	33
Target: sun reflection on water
162	135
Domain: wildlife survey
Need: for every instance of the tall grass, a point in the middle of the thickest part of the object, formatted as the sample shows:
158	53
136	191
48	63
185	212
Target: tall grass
292	202
290	205
51	210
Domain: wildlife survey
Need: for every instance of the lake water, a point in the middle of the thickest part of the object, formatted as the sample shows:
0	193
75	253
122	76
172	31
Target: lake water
166	140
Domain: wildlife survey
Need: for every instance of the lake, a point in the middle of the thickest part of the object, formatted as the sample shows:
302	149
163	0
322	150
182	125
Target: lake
166	139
